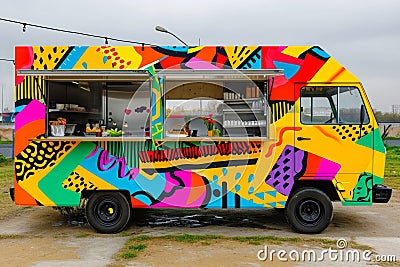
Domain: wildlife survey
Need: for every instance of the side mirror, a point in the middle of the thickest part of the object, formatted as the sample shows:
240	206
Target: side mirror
362	117
362	114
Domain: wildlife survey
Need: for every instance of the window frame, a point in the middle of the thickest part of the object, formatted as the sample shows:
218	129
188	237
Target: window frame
335	110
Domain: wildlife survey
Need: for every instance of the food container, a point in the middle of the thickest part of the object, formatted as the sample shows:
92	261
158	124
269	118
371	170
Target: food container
60	106
69	129
57	130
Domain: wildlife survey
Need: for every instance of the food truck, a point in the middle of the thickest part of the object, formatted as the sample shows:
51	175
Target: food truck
112	128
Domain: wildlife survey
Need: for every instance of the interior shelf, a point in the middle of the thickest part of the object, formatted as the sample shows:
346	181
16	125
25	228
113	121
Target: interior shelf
243	110
72	111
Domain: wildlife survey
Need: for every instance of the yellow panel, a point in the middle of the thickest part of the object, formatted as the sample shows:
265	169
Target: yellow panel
379	170
333	71
128	54
48	55
94	179
31	186
117	57
238	54
295	51
194	49
93	60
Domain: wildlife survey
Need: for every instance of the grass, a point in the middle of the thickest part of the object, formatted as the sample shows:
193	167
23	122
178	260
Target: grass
128	255
190	238
3	159
83	235
392	138
7	207
7	236
5	142
131	251
392	167
124	233
138	247
256	240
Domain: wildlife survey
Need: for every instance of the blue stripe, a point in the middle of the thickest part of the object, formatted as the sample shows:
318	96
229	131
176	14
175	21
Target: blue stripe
321	52
73	58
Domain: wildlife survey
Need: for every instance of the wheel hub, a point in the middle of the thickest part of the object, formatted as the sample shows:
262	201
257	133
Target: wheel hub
107	211
310	211
110	210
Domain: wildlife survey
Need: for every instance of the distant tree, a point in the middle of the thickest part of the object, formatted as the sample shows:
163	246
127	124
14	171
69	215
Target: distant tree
387	116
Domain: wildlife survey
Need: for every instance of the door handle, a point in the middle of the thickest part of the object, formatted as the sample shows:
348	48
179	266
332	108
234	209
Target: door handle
300	138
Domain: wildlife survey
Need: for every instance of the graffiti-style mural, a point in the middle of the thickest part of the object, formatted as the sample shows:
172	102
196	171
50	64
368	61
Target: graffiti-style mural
215	174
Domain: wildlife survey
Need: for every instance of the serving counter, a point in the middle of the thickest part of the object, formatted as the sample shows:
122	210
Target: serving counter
142	139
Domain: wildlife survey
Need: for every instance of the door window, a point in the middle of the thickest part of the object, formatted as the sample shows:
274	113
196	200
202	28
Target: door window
332	105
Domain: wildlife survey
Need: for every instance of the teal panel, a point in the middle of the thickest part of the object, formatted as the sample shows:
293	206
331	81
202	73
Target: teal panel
51	184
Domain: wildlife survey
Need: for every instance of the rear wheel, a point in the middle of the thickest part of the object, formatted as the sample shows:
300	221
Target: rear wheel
309	211
108	212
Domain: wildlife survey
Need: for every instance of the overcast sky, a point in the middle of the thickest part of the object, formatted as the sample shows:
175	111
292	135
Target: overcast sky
363	35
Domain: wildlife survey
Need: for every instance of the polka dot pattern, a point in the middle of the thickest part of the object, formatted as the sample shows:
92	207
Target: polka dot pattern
352	132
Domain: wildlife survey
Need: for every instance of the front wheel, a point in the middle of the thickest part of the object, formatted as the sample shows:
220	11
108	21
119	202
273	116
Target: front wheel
108	212
309	211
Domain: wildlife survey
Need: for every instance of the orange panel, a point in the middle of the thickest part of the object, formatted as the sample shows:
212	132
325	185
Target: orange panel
30	130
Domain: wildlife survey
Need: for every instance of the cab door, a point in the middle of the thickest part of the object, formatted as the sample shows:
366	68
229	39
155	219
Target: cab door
334	136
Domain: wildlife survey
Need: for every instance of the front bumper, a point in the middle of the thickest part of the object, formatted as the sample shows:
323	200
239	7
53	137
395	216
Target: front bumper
381	194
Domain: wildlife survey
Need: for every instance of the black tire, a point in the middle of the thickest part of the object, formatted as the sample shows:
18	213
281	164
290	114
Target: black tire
108	212
309	211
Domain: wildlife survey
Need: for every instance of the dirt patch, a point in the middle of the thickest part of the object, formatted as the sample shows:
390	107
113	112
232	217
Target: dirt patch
25	251
40	236
6	134
219	253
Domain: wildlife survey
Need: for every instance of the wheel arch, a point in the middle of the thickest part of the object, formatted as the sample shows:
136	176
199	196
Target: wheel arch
325	186
87	193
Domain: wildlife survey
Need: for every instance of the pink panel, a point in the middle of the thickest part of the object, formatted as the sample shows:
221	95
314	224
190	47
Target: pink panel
33	111
198	64
182	193
327	166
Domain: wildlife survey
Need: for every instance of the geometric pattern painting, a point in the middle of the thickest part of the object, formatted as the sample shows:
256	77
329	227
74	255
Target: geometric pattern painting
156	173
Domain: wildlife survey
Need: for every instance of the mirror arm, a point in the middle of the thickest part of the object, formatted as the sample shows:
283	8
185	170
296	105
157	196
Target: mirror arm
361	118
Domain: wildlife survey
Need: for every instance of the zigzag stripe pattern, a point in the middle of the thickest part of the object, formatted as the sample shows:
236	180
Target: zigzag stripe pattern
31	88
279	109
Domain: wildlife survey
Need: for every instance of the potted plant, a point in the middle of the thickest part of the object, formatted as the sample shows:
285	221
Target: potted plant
209	123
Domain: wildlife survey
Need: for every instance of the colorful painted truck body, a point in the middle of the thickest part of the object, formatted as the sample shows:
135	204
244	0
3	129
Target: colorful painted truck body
317	139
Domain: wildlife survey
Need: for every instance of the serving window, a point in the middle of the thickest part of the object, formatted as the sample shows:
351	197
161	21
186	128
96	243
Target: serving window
227	105
89	105
193	108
